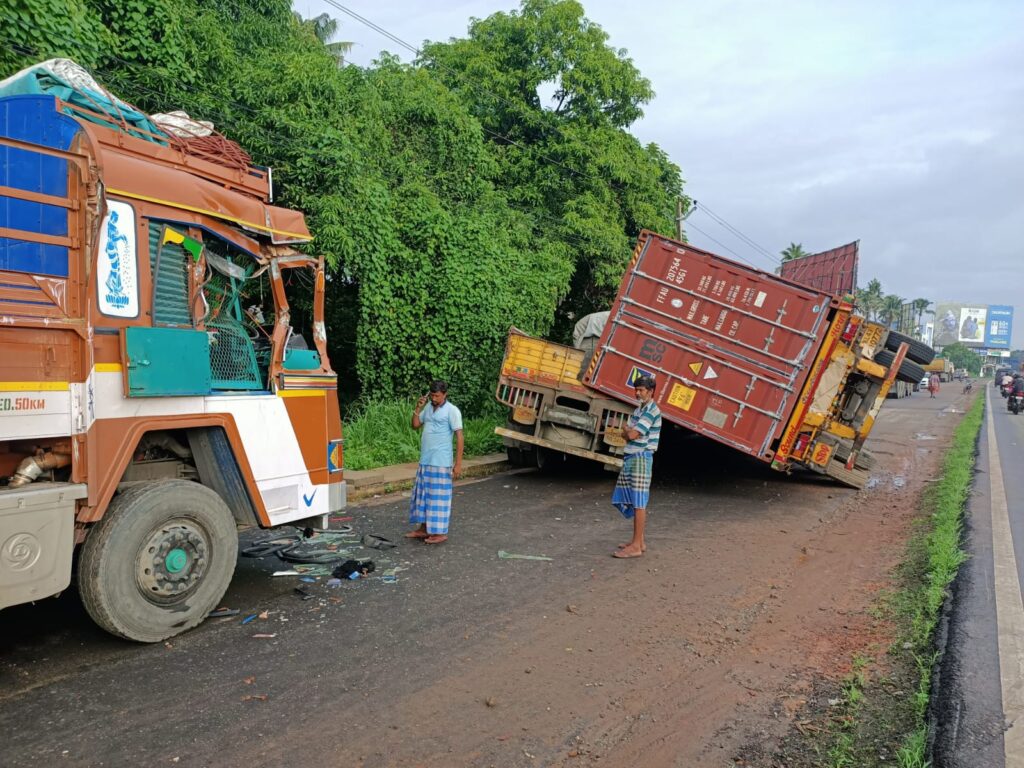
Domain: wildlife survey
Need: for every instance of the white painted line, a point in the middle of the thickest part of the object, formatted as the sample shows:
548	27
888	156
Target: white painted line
1009	607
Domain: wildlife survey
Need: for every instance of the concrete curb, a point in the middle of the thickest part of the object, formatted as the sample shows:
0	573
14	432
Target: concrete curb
367	483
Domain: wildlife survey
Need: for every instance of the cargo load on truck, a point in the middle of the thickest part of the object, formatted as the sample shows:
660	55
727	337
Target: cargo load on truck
779	371
156	392
940	365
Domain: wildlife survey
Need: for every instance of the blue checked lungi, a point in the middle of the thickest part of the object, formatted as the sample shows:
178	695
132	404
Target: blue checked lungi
633	488
432	498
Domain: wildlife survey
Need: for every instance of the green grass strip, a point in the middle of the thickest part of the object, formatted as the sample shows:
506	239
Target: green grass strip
379	433
935	557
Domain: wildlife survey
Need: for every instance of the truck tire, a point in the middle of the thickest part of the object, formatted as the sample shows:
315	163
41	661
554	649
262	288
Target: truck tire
159	560
517	457
919	352
909	371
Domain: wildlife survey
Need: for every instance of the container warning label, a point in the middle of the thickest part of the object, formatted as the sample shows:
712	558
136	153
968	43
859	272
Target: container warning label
695	367
681	397
710	373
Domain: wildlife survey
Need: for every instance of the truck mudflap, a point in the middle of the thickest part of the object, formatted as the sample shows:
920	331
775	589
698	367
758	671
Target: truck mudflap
37	538
522	437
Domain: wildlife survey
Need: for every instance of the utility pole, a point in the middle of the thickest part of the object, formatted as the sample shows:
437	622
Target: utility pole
680	234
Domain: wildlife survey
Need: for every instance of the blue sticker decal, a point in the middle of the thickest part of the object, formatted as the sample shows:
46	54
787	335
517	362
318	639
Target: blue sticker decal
334	456
634	374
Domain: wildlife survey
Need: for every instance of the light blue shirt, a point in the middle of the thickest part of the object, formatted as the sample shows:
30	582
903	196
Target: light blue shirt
438	428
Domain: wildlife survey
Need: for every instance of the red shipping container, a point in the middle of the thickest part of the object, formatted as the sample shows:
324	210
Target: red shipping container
834	271
729	345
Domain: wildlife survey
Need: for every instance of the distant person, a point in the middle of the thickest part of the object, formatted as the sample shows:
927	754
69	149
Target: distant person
933	385
430	508
968	386
633	487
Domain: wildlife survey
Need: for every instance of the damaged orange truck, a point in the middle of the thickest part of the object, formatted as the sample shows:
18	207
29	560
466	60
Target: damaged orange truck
155	397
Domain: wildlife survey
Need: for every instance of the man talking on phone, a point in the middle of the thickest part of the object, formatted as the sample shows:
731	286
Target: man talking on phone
431	505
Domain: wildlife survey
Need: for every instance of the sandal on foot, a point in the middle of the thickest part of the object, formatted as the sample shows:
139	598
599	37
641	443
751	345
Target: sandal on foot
436	539
417	534
623	555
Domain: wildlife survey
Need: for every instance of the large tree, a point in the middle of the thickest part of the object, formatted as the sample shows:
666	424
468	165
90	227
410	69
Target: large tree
555	101
439	233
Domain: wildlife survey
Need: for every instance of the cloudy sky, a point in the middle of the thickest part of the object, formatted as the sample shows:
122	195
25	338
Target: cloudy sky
896	123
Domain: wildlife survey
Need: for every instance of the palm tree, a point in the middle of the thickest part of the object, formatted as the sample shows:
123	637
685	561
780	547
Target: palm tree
324	28
870	299
794	251
920	306
892	309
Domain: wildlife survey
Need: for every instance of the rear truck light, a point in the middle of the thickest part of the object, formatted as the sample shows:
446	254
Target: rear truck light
851	330
801	444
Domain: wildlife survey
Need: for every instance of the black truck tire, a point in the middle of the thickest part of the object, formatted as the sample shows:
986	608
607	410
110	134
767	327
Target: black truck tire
918	351
909	371
158	561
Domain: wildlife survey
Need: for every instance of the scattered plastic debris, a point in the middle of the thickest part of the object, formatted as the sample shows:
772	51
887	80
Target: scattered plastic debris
303	593
286	573
255	697
308	579
259	635
333	583
373	541
221	612
511	556
249	618
353	569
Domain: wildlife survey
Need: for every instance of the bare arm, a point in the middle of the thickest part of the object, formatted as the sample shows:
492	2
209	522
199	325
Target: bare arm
459	443
416	423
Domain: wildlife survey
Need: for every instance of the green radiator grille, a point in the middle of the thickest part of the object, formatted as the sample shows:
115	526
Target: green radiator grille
170	280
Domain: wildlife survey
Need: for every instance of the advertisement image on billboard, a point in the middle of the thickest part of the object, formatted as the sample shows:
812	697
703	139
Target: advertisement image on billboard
979	326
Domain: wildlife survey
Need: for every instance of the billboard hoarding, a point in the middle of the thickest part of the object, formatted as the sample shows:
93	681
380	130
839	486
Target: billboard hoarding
833	271
980	326
999	326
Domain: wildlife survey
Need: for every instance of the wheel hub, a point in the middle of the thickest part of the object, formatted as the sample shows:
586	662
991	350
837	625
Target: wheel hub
173	561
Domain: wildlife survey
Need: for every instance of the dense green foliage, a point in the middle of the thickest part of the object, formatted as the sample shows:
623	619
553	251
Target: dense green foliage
963	356
379	433
448	201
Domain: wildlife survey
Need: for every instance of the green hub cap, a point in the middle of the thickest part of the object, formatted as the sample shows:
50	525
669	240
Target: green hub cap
176	560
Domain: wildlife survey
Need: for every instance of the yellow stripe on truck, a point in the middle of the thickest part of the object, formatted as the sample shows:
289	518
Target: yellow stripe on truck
34	386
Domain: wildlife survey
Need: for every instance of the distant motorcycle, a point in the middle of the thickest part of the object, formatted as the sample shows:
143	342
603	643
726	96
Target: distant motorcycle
1006	389
1015	402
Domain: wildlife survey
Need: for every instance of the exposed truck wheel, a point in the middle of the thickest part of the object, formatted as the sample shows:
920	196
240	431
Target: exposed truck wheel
909	371
159	560
517	456
918	351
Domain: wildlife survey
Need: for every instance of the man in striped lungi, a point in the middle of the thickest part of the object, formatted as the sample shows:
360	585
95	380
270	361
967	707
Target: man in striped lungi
633	487
431	505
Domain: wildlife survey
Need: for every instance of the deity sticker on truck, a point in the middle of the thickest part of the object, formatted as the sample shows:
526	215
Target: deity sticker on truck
117	284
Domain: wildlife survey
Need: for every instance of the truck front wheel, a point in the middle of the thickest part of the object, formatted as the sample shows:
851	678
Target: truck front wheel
159	560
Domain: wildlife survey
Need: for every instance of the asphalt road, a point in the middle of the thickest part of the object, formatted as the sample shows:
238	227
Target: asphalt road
362	675
970	711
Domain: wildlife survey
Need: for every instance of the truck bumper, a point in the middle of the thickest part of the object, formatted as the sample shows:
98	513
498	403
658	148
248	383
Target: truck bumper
520	437
37	537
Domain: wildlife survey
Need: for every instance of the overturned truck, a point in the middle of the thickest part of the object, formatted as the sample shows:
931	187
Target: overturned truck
779	371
